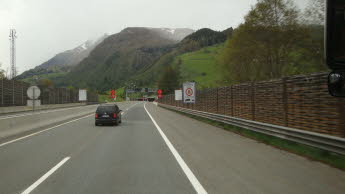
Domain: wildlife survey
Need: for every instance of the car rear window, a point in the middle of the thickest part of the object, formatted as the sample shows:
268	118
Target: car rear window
106	108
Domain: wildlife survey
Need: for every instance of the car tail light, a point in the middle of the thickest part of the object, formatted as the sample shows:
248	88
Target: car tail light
96	116
114	115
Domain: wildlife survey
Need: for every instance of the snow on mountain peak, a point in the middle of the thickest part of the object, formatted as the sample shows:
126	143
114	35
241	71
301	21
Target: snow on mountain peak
84	46
170	30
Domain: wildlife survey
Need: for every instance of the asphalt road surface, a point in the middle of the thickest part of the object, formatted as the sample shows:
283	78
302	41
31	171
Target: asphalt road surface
154	150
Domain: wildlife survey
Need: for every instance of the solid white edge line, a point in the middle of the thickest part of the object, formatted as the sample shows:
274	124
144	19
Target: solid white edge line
45	176
194	181
12	141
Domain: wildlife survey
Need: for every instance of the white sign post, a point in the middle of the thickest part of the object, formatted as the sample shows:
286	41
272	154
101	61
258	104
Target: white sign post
178	95
33	93
189	92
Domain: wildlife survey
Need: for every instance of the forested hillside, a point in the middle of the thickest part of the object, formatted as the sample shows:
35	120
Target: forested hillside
118	58
275	40
200	39
202	66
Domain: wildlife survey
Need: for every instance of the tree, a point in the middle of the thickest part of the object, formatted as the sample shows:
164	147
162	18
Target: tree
47	83
228	32
2	72
315	12
271	43
314	21
70	87
169	80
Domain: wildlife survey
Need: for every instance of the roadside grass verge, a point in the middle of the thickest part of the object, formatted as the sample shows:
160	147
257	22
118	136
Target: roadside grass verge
103	98
312	153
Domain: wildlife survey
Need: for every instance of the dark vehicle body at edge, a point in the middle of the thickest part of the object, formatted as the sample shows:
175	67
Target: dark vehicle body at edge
108	114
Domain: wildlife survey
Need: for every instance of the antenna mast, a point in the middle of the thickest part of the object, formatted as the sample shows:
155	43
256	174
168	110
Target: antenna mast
13	37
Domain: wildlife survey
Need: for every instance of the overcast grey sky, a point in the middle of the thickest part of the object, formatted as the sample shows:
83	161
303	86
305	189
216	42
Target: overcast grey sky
47	27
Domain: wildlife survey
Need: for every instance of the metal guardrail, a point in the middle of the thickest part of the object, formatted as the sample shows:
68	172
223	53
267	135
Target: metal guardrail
325	142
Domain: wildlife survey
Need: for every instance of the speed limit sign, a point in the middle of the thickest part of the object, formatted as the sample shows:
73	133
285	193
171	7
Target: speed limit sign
189	92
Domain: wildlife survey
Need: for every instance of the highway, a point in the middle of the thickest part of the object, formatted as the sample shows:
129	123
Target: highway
153	150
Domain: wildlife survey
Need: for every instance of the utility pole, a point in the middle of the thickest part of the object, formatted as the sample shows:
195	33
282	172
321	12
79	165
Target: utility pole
13	37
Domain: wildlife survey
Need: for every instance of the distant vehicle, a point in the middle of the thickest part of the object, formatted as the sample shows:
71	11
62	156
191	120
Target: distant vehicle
108	114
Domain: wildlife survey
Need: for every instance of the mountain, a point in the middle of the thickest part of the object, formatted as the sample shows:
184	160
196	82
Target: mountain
203	38
123	55
176	34
62	62
74	56
138	55
200	39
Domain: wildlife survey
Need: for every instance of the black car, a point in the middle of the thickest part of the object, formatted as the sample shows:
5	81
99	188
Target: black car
108	114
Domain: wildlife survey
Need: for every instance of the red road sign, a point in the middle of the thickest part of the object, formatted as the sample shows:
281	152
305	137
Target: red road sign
189	92
159	92
113	93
